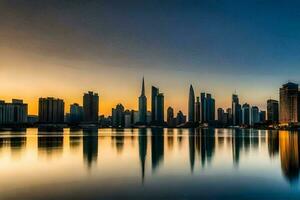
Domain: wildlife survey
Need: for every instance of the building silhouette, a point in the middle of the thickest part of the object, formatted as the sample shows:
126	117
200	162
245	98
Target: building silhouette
171	121
191	105
143	105
197	110
254	115
246	114
13	113
221	113
262	116
159	104
203	108
51	110
118	116
90	107
76	113
154	94
180	118
236	110
272	111
210	108
289	103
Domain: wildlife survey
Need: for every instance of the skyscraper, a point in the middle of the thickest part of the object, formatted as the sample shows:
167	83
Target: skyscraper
51	110
154	93
254	115
13	113
191	105
170	117
236	110
203	108
197	110
210	108
143	105
90	107
220	114
76	113
118	116
246	114
272	111
289	103
159	105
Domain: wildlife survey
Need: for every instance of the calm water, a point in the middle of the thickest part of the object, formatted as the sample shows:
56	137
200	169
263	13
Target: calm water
150	164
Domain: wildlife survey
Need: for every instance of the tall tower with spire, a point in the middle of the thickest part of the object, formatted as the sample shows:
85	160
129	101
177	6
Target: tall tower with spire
143	105
191	105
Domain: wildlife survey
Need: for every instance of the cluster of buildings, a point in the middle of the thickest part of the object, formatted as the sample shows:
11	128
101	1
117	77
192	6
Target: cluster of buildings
201	111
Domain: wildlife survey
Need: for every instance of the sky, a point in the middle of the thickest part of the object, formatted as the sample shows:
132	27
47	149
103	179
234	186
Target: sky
65	48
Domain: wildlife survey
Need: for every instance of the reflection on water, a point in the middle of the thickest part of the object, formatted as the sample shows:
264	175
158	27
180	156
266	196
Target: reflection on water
136	161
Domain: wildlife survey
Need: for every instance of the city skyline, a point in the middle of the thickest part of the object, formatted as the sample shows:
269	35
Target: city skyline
184	46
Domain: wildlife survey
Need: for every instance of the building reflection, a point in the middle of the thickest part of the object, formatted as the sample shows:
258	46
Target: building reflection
118	139
207	145
192	142
273	143
50	144
142	150
289	155
236	145
157	147
90	146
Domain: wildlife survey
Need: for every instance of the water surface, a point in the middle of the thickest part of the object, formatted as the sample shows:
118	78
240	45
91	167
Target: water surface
150	164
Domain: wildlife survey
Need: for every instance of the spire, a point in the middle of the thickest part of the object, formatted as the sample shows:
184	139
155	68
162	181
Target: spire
143	88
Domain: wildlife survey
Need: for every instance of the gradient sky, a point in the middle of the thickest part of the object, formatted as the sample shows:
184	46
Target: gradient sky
65	48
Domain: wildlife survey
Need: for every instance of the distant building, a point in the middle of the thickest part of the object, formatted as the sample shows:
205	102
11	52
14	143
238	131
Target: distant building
159	104
191	105
128	122
203	108
229	118
90	107
135	116
118	116
170	117
220	115
236	110
143	105
180	118
246	114
273	111
289	103
13	113
32	119
262	116
210	108
105	121
51	110
254	115
76	113
148	117
154	94
197	110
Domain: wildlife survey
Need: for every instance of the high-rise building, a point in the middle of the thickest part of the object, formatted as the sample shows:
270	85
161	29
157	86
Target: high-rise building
51	110
118	117
229	118
191	105
254	115
143	105
180	118
236	110
203	108
128	122
90	107
272	111
220	114
76	113
289	103
246	114
13	113
159	105
210	108
170	117
262	116
154	93
197	110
